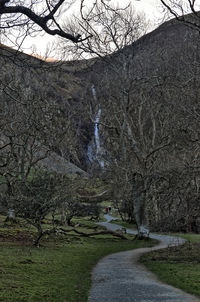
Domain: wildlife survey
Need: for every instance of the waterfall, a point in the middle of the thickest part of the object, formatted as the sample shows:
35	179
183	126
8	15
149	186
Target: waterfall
96	131
94	92
95	150
99	150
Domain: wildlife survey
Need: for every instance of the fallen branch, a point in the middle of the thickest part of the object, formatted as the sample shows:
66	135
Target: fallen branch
103	232
57	230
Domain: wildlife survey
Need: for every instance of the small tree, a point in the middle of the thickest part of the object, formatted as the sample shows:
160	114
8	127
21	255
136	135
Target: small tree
39	196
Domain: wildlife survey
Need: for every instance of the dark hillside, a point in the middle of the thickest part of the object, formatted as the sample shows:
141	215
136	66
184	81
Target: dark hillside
26	76
138	109
169	55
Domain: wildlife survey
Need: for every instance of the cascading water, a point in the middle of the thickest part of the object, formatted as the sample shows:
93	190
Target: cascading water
96	131
95	150
97	139
94	93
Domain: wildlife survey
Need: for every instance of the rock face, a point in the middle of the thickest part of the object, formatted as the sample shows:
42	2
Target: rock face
56	163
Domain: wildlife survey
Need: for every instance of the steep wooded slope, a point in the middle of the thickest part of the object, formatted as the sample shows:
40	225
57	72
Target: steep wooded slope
168	56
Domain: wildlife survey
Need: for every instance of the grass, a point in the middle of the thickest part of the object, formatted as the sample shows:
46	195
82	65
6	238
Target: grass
190	237
59	271
178	266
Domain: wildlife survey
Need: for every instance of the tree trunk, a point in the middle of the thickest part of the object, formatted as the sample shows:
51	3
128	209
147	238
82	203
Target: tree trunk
40	234
63	216
69	218
36	242
141	216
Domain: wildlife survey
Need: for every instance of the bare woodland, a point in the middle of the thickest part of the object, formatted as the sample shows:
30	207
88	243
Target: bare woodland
148	93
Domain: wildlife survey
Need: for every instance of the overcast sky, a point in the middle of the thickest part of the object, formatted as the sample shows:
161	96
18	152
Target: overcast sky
152	9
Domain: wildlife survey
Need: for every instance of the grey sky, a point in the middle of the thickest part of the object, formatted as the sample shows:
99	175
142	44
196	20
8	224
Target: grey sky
151	8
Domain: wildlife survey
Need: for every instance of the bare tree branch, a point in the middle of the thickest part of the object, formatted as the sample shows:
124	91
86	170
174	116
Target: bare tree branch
41	21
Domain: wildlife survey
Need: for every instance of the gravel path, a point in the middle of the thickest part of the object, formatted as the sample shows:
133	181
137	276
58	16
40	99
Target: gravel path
119	278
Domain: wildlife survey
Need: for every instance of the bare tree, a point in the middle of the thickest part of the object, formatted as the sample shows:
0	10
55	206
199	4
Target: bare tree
41	195
139	136
31	16
184	11
144	114
108	28
31	128
113	29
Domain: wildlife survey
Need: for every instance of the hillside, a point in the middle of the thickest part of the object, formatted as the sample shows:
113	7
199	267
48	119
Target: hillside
24	76
164	57
135	111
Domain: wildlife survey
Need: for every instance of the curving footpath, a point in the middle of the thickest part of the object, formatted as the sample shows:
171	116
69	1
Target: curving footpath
120	278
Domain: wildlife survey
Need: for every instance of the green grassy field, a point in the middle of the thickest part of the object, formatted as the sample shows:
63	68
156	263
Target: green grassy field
178	266
58	271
